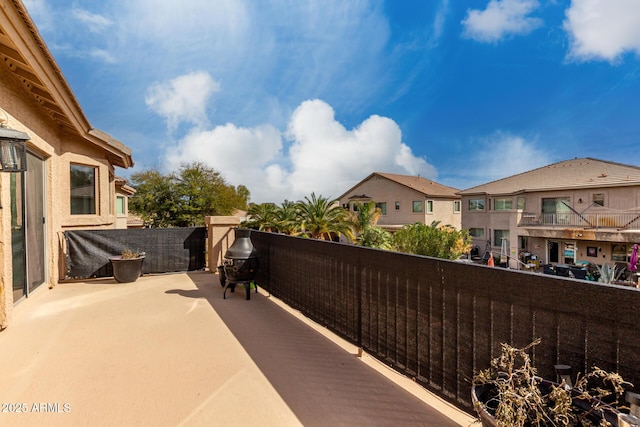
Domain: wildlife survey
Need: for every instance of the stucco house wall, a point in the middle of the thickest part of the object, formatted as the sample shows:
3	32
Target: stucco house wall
382	189
35	99
578	180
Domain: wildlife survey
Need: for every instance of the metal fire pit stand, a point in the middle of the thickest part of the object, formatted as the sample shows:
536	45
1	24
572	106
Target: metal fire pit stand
240	263
232	285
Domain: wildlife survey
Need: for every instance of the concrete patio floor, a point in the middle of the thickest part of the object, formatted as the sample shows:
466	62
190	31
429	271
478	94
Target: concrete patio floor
167	350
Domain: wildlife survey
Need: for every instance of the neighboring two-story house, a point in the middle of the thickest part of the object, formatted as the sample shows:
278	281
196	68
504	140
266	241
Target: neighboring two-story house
576	210
69	182
405	199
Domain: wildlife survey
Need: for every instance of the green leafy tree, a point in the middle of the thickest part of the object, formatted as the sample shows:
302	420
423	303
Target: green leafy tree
184	198
155	201
322	218
432	240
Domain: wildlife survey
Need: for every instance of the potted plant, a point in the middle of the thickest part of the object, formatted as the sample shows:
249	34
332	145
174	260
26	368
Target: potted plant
510	393
127	266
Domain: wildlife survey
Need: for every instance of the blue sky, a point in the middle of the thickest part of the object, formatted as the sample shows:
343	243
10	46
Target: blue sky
289	97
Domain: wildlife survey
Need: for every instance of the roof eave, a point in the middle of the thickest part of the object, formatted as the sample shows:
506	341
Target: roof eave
37	69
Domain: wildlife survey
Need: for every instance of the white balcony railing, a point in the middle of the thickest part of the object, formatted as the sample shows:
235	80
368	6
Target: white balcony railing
602	220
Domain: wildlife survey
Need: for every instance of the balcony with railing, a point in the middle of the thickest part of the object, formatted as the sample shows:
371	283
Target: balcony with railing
620	221
169	350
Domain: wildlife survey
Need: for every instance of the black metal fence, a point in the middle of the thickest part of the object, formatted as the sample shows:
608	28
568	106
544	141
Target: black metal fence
439	321
166	250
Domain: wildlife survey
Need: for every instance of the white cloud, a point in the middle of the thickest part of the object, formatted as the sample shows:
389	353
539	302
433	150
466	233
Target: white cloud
500	19
328	159
183	99
180	24
603	29
302	50
243	156
439	21
103	55
92	21
505	154
323	157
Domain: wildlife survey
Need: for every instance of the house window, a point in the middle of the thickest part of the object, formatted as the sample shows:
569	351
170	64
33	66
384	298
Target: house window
383	207
503	204
477	232
429	206
521	203
397	206
569	252
556	210
417	205
523	242
498	235
619	253
476	204
83	190
598	199
456	206
555	205
120	205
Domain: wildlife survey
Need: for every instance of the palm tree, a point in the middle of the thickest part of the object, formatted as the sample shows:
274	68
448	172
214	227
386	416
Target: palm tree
321	218
364	216
262	217
287	218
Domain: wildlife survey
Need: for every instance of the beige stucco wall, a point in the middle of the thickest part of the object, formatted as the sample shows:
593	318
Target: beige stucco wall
383	190
59	148
220	236
6	290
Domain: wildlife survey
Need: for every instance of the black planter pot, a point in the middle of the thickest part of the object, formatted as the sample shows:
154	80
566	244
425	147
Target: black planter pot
126	270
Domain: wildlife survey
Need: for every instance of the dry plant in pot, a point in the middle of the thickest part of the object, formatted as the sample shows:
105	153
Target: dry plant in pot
510	393
127	266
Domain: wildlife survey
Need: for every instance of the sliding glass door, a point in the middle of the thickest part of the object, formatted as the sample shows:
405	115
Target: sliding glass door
28	225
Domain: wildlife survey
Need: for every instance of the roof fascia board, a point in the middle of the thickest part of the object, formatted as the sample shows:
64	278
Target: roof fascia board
31	46
415	189
113	146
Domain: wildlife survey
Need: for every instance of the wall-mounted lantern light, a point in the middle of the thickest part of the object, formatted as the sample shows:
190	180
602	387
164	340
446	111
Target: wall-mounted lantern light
13	150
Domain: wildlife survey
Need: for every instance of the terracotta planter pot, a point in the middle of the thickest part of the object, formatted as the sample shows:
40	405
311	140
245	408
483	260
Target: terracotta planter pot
126	270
